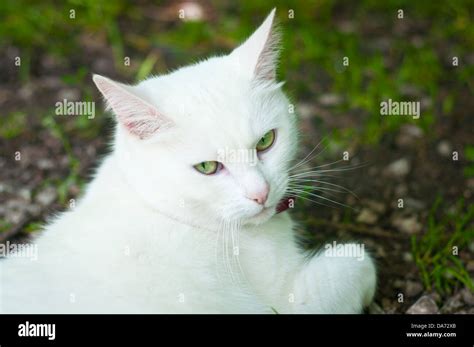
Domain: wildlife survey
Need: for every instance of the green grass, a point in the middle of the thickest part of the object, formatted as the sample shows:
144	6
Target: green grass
33	227
469	155
441	269
49	121
4	225
312	43
13	125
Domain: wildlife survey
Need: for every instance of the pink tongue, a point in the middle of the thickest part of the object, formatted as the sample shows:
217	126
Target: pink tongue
284	204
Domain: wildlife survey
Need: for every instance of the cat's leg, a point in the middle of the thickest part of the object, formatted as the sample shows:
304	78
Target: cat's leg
334	284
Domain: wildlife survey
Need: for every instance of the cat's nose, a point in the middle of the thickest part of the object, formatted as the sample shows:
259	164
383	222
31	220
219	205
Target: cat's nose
259	196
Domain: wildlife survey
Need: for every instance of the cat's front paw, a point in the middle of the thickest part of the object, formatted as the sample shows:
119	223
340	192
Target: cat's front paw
368	280
336	281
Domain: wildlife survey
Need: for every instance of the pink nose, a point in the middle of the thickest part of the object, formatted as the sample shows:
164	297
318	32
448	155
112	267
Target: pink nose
260	197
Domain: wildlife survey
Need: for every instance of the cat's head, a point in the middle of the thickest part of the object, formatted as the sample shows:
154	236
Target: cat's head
212	141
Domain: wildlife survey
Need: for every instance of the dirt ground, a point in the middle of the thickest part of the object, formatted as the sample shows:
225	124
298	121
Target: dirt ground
409	163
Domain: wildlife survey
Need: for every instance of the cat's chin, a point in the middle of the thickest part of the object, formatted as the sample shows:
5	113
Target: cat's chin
261	217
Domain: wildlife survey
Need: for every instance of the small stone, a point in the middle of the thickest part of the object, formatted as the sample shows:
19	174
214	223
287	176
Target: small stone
376	206
34	210
467	296
435	296
412	288
407	257
367	216
46	197
194	12
408	225
387	304
27	91
401	190
69	94
399	168
15	216
470	266
452	304
415	204
330	99
398	283
408	135
305	110
25	194
45	164
445	148
381	252
424	305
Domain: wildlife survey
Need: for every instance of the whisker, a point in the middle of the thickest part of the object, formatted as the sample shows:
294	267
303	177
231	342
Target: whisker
324	198
311	188
314	201
305	159
328	164
323	191
324	182
329	170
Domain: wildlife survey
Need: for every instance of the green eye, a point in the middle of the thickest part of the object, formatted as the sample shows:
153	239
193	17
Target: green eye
208	167
266	141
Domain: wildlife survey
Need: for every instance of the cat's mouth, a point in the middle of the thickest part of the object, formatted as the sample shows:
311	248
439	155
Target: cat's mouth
267	212
285	203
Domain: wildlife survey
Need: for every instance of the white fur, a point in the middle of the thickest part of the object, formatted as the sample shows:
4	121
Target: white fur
153	235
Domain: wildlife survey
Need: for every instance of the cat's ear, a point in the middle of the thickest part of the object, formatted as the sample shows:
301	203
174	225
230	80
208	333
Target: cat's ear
259	54
139	117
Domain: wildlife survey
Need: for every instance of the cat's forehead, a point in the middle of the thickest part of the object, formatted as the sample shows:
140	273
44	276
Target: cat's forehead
211	97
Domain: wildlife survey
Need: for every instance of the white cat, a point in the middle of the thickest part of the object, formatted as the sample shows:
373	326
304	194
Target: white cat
170	225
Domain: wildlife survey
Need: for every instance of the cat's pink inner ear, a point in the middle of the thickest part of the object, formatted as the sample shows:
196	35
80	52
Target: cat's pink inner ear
259	53
139	117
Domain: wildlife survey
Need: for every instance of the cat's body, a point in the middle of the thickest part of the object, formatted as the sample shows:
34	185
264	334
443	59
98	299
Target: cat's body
152	235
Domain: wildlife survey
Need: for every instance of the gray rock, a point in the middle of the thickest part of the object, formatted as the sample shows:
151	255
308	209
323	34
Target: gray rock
444	148
330	99
407	225
412	288
45	164
25	194
367	216
376	206
409	135
305	110
415	204
452	304
424	305
467	296
15	216
46	197
401	190
407	257
399	168
70	94
398	283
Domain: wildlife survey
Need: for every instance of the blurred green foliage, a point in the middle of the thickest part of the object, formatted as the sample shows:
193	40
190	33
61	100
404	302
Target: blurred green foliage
436	253
313	46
